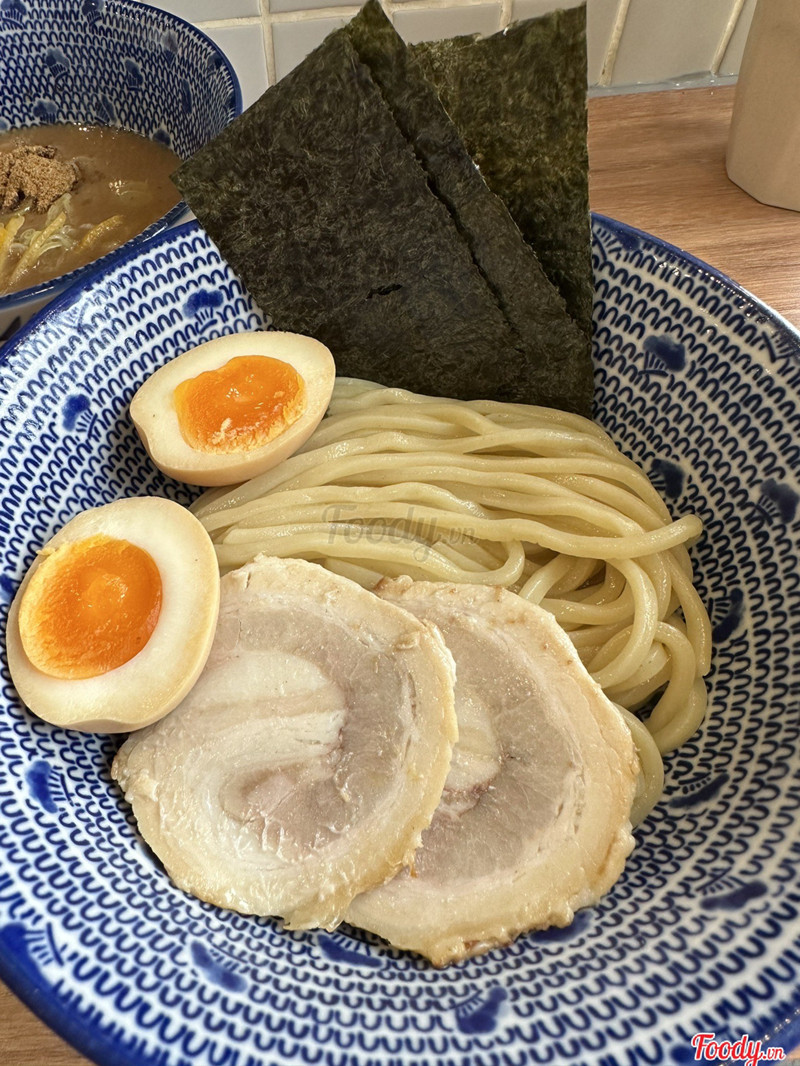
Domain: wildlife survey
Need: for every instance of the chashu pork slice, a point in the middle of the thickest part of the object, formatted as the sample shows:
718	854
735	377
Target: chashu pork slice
534	818
303	766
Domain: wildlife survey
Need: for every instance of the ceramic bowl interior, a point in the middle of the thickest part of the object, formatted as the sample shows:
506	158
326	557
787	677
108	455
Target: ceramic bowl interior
113	63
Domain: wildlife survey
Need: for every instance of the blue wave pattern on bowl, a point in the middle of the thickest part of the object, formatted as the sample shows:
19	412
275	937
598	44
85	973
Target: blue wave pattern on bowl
698	383
116	63
72	59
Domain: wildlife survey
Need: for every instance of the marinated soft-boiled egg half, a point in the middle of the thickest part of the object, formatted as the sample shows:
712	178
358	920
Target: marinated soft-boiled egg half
234	407
114	621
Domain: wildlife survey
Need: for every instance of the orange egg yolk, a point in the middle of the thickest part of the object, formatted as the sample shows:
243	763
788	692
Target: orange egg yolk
241	405
89	607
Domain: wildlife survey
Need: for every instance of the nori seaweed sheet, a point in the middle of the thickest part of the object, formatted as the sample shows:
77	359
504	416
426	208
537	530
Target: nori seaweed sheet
518	99
320	204
317	201
530	301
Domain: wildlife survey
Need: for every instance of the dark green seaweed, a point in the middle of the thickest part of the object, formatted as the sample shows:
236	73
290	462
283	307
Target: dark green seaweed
347	221
518	99
531	303
317	201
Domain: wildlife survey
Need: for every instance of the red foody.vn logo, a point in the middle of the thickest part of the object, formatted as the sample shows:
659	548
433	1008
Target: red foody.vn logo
708	1049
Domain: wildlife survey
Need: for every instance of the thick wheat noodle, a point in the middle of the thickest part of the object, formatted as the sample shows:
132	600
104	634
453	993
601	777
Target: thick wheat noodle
486	504
640	639
652	768
663	722
390	448
698	625
362	575
547	578
537	500
301	471
405	555
572	586
622	547
652	674
542	498
594	607
567	612
336	506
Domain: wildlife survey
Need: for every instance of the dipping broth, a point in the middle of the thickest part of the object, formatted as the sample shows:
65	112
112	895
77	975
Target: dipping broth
121	186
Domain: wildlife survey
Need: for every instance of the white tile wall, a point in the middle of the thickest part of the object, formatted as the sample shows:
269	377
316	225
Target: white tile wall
292	41
279	6
243	42
212	10
433	23
661	41
632	43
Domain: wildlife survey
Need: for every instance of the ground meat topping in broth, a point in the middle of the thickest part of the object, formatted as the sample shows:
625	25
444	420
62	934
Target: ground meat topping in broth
33	172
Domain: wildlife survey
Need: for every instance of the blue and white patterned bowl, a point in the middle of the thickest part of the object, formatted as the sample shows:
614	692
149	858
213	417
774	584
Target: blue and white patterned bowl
701	385
112	63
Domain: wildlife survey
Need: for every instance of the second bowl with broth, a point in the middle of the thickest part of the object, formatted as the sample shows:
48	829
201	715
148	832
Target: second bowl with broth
99	102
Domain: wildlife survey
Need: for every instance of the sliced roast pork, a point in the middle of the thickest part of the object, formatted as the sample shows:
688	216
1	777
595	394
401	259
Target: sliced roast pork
534	818
305	763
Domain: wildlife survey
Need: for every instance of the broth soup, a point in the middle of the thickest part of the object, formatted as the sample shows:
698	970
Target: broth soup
70	194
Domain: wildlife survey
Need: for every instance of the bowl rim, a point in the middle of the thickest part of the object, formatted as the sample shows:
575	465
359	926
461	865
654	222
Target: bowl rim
104	1047
14	300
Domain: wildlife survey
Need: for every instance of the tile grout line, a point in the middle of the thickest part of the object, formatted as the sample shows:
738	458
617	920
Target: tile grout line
311	14
269	41
391	8
224	24
727	33
607	71
435	5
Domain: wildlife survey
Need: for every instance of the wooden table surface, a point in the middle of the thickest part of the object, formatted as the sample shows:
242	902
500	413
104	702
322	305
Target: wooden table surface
657	162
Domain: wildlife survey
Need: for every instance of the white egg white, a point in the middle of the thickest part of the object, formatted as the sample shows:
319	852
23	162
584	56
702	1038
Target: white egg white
155	680
156	420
